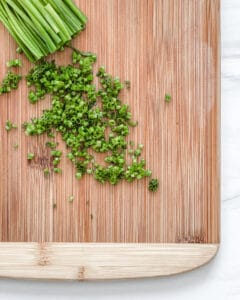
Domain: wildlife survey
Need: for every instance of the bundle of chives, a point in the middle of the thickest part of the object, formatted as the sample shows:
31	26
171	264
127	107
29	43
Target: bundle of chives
41	27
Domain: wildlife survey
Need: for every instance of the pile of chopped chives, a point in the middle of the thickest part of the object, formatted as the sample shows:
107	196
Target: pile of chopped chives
89	120
41	27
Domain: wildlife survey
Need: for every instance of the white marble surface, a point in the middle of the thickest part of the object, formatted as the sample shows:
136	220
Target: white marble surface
221	278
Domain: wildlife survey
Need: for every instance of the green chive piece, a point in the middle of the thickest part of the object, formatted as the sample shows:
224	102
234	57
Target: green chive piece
30	156
46	172
153	185
168	98
9	125
14	63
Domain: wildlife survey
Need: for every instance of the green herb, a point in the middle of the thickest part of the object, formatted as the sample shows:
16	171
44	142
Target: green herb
168	98
57	170
14	63
9	125
78	175
10	82
89	120
41	27
51	135
56	153
51	145
153	185
133	123
56	161
46	172
30	156
19	50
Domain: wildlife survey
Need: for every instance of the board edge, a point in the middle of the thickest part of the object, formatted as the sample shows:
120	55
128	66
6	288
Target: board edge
100	261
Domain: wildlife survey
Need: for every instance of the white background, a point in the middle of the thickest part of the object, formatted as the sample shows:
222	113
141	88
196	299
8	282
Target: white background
221	278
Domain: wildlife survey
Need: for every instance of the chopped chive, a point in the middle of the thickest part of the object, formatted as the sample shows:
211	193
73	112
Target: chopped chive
84	126
153	185
57	170
19	50
78	175
51	145
9	125
30	156
46	172
14	63
168	98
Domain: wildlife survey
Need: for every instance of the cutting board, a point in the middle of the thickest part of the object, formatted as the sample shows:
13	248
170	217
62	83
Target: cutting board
125	231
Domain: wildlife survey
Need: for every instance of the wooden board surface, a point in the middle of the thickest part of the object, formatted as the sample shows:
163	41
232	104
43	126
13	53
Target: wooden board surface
80	261
161	46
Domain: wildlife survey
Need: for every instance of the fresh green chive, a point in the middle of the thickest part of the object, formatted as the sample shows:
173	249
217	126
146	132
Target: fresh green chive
168	98
57	170
30	156
9	125
14	63
46	172
153	185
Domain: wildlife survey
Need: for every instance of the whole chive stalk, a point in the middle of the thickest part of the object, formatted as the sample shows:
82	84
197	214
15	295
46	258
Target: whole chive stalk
77	12
41	27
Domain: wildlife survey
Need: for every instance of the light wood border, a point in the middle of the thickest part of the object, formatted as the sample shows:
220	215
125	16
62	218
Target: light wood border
87	261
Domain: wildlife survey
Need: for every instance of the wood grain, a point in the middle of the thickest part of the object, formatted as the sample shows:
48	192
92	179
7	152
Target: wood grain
161	46
100	261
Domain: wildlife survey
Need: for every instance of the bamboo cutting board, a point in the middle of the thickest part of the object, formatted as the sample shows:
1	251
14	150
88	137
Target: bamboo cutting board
161	46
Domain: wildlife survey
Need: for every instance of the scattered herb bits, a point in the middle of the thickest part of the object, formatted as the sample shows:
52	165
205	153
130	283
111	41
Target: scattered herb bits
153	185
90	120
